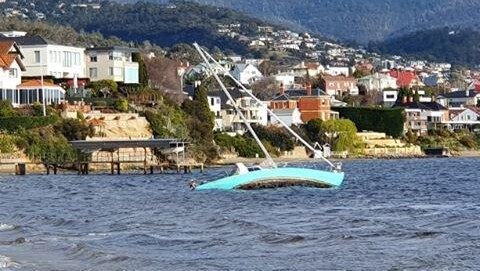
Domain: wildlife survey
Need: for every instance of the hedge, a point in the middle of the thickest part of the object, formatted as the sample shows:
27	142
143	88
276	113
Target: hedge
11	124
385	120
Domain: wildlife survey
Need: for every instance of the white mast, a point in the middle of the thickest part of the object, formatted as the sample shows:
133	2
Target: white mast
239	112
305	143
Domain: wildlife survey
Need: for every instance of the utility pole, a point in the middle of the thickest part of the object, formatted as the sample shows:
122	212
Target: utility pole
44	107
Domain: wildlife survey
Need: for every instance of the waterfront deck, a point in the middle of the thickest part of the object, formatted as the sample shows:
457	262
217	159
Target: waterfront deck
107	156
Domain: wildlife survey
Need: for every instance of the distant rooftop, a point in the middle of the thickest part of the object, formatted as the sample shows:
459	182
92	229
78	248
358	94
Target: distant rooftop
28	40
113	48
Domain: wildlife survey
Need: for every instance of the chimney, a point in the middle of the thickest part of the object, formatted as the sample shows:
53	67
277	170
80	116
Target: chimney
282	89
309	89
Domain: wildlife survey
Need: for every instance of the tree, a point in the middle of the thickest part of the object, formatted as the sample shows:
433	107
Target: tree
121	105
201	123
267	68
265	88
6	109
359	73
313	129
342	134
104	87
143	77
73	129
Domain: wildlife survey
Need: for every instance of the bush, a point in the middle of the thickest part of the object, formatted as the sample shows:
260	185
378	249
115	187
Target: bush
276	136
7	143
121	105
244	146
12	124
44	144
37	109
386	120
468	141
73	129
342	134
6	109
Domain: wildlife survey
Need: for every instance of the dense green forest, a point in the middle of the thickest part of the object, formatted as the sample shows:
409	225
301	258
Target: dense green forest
360	21
164	25
460	47
59	33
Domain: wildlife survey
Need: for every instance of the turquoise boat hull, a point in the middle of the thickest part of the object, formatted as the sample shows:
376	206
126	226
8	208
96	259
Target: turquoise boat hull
277	177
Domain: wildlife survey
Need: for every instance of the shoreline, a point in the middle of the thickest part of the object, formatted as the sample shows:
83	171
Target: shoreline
251	161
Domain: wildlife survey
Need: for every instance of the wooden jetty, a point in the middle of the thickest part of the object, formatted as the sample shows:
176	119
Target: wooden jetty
108	154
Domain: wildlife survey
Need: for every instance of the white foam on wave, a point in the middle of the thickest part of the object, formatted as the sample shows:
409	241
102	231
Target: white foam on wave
6	227
7	262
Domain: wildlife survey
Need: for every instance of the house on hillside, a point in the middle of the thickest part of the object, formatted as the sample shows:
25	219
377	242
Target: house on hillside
422	116
406	78
11	69
36	91
378	81
310	68
285	79
460	98
312	104
246	73
335	71
464	117
339	85
288	116
112	63
226	117
44	57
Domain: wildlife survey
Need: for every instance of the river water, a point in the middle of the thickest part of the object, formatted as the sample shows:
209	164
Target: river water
419	214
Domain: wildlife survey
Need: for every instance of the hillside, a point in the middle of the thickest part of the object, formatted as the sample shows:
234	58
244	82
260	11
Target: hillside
360	21
460	47
165	25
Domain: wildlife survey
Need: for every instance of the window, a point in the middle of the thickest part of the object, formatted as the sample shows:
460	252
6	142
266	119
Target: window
93	58
117	56
13	72
212	101
93	73
37	56
390	96
115	71
67	59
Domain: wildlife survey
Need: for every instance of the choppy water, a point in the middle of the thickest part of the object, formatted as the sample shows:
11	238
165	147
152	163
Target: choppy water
389	215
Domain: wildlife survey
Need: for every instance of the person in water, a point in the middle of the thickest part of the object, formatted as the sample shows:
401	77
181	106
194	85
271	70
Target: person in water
192	184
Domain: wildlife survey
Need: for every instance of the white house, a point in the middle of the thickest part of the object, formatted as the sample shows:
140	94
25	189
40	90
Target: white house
464	114
460	98
226	117
246	73
43	57
11	69
334	71
286	79
310	68
378	81
422	116
389	97
112	63
463	117
288	116
215	104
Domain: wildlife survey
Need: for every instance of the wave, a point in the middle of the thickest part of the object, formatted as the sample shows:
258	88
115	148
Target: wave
7	262
84	252
279	238
7	227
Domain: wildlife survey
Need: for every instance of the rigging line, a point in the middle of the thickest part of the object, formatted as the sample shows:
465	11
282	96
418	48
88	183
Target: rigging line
305	143
229	96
